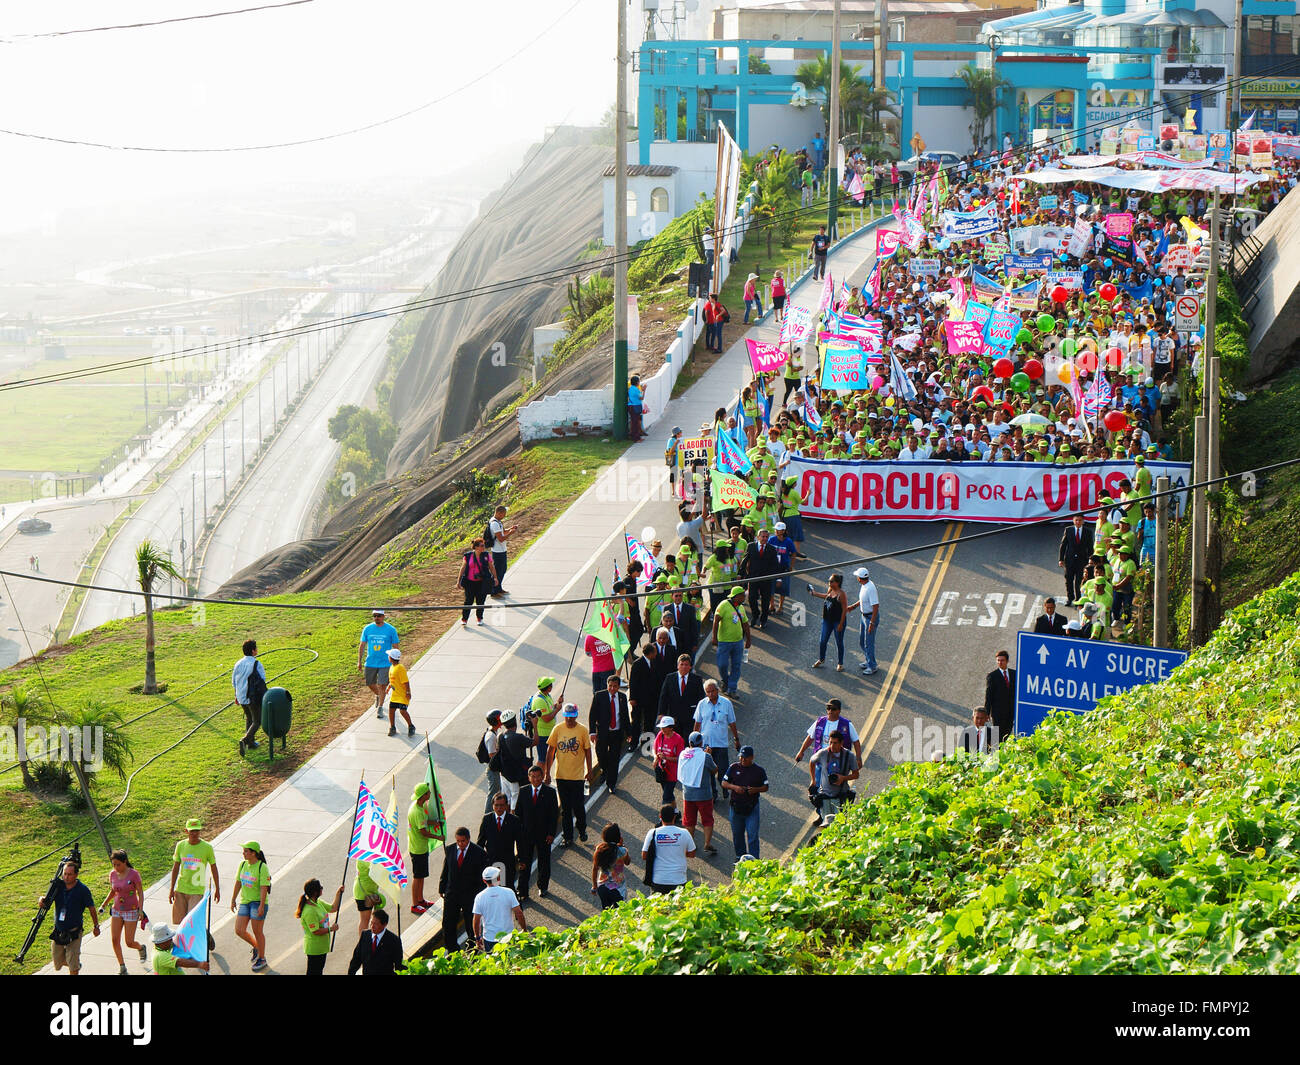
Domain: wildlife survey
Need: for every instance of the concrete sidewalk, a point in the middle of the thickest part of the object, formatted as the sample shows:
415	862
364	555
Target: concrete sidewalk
302	823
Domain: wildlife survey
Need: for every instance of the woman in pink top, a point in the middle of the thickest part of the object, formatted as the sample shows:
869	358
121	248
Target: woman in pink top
126	894
668	747
777	291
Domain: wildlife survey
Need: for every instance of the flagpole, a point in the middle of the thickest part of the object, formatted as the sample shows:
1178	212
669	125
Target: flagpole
437	791
398	888
585	611
207	915
356	807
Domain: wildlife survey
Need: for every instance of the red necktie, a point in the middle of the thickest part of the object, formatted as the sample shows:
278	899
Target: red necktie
534	796
1005	679
682	681
501	824
613	712
460	858
374	944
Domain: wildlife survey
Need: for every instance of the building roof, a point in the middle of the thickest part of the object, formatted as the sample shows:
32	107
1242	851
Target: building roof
644	170
868	7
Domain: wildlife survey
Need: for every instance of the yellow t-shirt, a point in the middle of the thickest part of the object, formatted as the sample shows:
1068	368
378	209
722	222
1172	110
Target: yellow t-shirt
569	745
401	684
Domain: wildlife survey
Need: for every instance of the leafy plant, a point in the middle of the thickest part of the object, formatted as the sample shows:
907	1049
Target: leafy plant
985	90
27	708
589	296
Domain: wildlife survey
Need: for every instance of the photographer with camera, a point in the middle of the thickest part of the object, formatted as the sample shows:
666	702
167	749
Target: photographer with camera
70	900
839	767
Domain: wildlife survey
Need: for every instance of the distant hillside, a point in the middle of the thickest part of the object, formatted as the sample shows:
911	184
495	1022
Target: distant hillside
541	219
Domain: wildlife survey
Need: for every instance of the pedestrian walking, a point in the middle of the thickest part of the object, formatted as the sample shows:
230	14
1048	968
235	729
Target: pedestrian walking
398	693
496	912
542	713
538	810
250	901
831	721
731	637
568	753
165	963
820	246
314	917
191	858
868	607
458	885
698	773
496	535
715	316
378	951
753	297
831	771
1000	696
514	751
478	578
71	901
498	834
602	662
488	746
668	747
681	691
716	717
418	835
125	904
249	680
835	611
745	782
377	639
777	292
610	721
643	694
669	847
760	565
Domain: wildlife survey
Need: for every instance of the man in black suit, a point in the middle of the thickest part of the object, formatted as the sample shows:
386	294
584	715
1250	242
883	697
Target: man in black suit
538	810
681	693
643	694
687	621
378	952
499	834
610	724
460	881
977	738
1000	697
761	560
1050	622
1076	549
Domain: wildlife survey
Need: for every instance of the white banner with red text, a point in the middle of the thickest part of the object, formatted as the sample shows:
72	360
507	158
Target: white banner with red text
930	490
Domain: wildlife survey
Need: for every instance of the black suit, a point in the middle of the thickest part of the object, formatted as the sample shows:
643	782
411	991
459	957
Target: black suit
609	739
643	689
970	739
538	819
459	884
377	961
501	845
1075	552
681	708
1000	701
687	622
1050	625
760	562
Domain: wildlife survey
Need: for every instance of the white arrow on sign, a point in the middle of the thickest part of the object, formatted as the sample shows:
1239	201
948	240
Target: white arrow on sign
1042	655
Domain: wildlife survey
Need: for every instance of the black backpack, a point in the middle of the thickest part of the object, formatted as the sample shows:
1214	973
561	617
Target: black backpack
482	753
488	538
256	690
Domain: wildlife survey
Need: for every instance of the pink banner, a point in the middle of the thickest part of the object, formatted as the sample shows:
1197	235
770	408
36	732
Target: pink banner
887	241
1119	225
958	302
828	292
964	338
766	358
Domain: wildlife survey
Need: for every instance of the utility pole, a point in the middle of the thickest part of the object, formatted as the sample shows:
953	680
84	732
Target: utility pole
205	484
833	122
169	585
1160	595
1210	372
620	226
146	403
882	38
223	459
1237	28
259	414
243	437
1195	637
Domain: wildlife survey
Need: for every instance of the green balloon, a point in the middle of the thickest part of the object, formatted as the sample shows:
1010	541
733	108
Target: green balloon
1024	336
1046	323
1068	347
1020	382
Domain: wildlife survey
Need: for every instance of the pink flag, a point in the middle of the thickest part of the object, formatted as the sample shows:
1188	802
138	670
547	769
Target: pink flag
856	189
766	358
828	291
964	338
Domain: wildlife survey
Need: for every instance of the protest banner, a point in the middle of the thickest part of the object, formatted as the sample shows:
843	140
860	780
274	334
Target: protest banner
766	358
844	367
693	448
963	338
1000	331
1118	225
1024	298
978	313
1026	263
994	250
1070	279
887	241
731	492
923	267
1012	492
964	225
798	321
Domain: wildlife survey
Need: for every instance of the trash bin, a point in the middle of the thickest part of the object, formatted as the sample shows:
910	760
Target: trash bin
277	717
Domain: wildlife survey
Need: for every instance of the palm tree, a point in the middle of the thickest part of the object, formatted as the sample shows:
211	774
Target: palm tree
985	87
114	746
152	564
21	705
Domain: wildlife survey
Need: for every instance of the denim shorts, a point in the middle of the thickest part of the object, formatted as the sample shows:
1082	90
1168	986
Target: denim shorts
250	909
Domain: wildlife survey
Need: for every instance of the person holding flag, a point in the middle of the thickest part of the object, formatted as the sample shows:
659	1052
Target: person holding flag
418	836
607	641
166	962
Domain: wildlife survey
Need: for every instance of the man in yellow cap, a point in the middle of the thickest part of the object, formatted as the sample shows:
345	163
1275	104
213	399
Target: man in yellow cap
190	858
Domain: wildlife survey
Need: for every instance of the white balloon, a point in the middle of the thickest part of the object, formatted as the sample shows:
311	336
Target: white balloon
648	534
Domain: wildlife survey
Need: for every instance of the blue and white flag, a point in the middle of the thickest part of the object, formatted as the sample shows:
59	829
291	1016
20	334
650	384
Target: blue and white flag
190	939
964	225
729	457
900	382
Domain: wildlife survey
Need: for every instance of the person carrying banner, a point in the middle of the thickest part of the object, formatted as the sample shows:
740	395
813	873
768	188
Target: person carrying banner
165	963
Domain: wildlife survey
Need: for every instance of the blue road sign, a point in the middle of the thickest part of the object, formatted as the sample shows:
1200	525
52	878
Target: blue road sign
1068	673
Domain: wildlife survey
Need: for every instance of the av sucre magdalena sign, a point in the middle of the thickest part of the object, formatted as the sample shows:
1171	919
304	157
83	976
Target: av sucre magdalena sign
930	490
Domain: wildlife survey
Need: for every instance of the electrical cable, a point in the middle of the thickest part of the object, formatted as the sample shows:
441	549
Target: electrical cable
999	530
19	38
227	149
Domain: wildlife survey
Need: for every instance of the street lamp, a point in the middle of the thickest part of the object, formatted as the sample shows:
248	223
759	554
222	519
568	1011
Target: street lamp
994	42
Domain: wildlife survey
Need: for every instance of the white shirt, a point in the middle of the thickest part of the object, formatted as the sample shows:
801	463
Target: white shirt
672	847
713	720
497	529
868	598
496	905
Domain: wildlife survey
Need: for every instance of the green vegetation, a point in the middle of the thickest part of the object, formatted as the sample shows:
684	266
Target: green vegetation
1156	834
985	87
861	104
1231	336
587	297
152	565
366	437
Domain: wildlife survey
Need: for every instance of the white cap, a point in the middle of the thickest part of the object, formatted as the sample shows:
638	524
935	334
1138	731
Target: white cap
507	716
780	526
664	722
160	933
491	873
395	655
862	573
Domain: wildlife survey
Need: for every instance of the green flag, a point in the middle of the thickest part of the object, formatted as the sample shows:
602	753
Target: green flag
601	624
731	492
438	814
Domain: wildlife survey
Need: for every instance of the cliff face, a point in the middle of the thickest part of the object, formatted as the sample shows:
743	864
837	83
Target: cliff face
541	220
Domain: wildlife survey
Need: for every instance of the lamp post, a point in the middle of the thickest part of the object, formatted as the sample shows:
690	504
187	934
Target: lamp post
994	41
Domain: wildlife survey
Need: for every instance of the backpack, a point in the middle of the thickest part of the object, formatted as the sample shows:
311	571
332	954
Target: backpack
256	689
482	753
489	538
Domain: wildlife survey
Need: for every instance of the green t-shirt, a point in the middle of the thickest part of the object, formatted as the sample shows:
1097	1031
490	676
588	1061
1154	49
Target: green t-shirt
192	858
252	878
364	885
544	704
314	916
730	618
417	819
164	964
1121	570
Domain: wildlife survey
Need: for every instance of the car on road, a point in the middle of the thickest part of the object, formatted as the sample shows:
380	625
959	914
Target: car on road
942	157
31	526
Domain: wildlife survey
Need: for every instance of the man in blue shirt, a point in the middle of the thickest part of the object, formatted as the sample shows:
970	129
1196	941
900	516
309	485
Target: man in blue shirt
70	902
377	639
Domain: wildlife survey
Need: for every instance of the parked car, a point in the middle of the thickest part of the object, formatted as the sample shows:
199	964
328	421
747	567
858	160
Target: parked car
907	168
34	525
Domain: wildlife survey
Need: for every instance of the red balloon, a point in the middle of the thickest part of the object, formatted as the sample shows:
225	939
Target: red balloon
985	393
1087	361
1009	410
1034	369
1059	294
1108	292
1114	356
1003	368
1115	421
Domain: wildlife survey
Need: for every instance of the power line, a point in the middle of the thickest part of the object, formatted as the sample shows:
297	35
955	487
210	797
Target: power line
933	545
18	38
27	134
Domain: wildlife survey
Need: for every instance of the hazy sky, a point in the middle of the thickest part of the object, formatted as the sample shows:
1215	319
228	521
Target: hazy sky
284	75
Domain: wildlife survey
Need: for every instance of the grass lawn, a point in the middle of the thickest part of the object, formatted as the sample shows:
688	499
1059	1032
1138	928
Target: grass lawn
203	776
